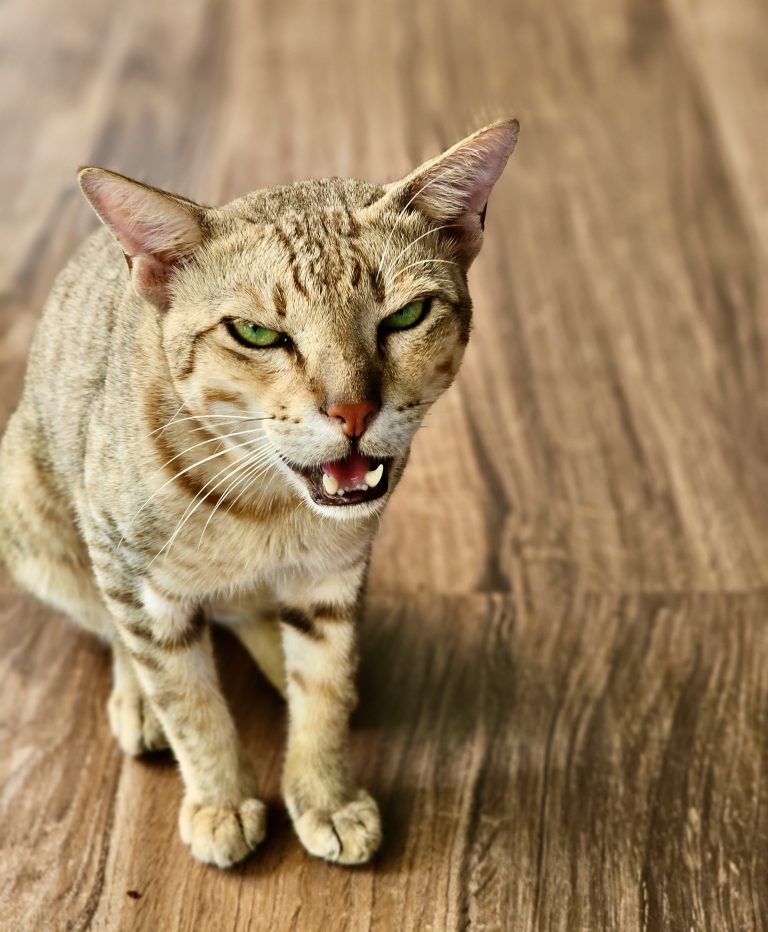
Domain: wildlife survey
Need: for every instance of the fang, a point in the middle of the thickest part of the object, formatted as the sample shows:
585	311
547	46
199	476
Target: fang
330	484
373	478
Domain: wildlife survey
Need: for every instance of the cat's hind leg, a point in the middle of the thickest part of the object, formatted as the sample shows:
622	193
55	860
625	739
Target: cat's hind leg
261	638
40	541
41	544
132	717
255	622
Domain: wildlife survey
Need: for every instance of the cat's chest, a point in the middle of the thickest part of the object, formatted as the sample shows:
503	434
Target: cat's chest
216	552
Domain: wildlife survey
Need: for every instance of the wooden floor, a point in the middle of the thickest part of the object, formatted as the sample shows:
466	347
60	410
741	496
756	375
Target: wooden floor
574	734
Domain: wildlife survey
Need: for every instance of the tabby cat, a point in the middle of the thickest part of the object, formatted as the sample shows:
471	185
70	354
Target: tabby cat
212	435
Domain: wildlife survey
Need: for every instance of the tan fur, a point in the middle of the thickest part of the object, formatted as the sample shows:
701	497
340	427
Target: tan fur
144	485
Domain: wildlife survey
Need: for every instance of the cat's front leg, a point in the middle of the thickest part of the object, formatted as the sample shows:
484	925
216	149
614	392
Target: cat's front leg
333	818
169	643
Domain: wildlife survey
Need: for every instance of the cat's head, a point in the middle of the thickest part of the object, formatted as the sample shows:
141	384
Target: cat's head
314	324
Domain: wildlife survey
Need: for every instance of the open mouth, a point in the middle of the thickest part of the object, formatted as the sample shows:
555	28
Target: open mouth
350	481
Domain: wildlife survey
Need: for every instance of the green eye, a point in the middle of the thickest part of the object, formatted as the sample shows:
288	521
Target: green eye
252	334
407	316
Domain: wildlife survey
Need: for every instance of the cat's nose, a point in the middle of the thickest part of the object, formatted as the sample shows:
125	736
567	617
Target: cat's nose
354	417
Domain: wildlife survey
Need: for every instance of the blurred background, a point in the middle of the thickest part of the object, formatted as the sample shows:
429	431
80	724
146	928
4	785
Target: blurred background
564	680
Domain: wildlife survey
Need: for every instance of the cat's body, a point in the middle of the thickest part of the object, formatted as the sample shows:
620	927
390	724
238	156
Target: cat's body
217	442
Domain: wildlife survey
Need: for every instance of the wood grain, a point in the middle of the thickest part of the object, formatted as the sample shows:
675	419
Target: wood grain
565	665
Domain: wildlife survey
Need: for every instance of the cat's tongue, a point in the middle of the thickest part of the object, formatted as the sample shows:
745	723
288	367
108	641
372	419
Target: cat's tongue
350	471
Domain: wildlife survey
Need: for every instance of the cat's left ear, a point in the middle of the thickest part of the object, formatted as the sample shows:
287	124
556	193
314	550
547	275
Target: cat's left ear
454	187
158	232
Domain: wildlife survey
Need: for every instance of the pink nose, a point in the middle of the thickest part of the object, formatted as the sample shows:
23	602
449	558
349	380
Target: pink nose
354	417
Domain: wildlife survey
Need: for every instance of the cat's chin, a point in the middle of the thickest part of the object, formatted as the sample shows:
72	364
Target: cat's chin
355	484
352	513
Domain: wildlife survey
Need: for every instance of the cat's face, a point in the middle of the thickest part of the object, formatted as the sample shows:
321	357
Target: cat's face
298	309
315	323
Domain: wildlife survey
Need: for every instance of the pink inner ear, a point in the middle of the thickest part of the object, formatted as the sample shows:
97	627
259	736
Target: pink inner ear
143	221
486	174
458	185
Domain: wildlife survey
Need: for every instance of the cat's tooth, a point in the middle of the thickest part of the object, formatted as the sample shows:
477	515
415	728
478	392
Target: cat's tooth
373	478
330	484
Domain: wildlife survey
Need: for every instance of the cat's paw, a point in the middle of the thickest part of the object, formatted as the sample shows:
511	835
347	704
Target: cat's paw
134	723
222	835
349	835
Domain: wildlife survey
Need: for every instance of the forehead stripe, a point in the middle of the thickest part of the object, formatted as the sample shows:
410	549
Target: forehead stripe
292	260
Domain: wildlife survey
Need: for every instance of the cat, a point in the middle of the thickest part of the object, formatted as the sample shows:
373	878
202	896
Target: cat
211	434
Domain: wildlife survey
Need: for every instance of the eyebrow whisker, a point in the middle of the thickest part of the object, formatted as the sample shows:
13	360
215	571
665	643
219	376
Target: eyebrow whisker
413	242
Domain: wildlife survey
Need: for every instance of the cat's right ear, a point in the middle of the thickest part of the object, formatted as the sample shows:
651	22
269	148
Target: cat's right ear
157	231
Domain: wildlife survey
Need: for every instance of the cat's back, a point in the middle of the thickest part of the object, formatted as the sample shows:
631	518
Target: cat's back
70	352
73	335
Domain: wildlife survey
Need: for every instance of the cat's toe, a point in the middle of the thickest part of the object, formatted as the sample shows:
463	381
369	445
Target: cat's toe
134	723
349	835
222	835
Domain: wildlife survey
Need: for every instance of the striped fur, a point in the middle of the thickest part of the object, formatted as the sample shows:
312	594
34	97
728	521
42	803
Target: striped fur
144	484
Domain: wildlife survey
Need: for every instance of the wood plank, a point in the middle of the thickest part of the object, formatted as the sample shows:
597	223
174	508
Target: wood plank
525	780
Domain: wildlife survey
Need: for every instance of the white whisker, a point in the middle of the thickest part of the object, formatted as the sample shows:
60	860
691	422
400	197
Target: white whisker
210	417
173	478
401	215
219	424
219	439
249	479
424	262
413	242
258	468
229	470
257	465
176	412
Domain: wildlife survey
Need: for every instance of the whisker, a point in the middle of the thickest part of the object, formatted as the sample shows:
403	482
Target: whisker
413	242
249	479
423	262
219	439
173	478
242	478
210	417
262	462
176	412
257	468
258	465
401	214
229	470
220	424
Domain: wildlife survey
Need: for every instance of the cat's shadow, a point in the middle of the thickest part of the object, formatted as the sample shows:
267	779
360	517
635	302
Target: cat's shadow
418	695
